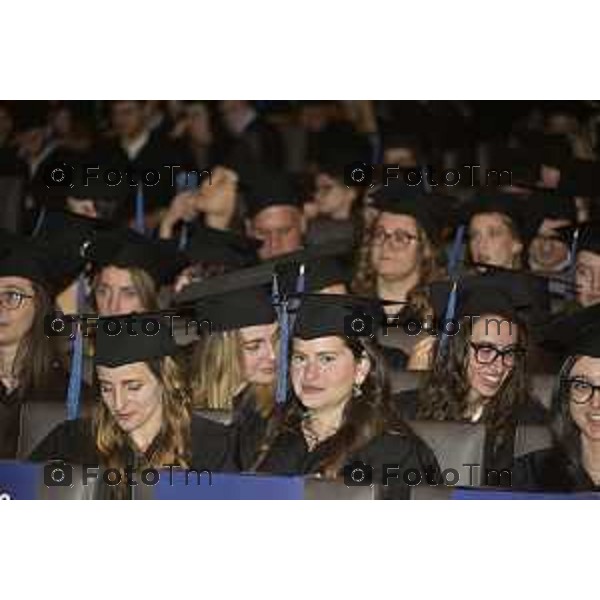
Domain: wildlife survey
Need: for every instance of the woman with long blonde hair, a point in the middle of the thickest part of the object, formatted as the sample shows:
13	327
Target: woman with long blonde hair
233	369
144	418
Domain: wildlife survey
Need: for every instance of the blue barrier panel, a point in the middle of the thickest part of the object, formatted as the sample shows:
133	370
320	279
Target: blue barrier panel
19	481
222	486
491	494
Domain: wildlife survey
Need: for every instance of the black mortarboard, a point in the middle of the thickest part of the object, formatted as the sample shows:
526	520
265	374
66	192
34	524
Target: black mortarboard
550	205
574	334
74	231
319	273
580	178
588	236
45	262
512	167
401	199
133	338
127	249
339	148
96	188
234	310
510	294
261	274
322	315
223	247
508	205
266	189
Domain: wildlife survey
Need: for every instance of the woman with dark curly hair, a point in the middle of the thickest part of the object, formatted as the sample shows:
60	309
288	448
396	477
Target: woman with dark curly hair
573	464
480	374
338	413
144	418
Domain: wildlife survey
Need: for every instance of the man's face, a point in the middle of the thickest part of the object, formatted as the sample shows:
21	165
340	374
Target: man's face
279	228
547	250
587	277
128	118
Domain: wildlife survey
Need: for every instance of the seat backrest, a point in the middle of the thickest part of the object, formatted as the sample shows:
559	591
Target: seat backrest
401	381
530	438
455	445
38	419
11	196
542	387
219	416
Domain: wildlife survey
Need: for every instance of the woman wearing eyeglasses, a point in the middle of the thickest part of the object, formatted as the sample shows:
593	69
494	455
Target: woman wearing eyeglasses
401	256
31	273
479	374
573	463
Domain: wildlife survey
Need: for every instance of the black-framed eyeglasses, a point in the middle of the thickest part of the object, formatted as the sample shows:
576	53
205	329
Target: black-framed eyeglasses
486	354
399	237
12	299
580	391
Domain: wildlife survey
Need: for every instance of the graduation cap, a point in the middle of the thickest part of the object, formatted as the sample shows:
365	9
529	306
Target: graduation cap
512	207
580	178
319	273
515	295
339	148
400	198
574	334
132	338
96	188
261	274
45	262
223	247
550	205
234	310
267	188
75	231
588	235
322	315
126	249
522	164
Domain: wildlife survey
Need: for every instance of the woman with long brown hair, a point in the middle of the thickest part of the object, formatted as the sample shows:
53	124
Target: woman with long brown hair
479	370
338	413
401	257
144	418
32	272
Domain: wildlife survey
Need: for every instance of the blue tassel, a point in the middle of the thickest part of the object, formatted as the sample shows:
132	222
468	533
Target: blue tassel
74	389
184	237
282	367
81	294
139	210
39	222
453	263
455	253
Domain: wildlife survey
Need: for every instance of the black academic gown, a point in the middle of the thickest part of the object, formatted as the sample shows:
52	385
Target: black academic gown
497	454
11	406
159	154
74	442
550	470
289	455
248	428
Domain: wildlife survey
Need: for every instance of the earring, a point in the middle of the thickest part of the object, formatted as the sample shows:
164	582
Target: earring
356	390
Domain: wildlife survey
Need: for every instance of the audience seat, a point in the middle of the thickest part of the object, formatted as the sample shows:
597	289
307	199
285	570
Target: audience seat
38	419
530	438
455	445
542	387
219	416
